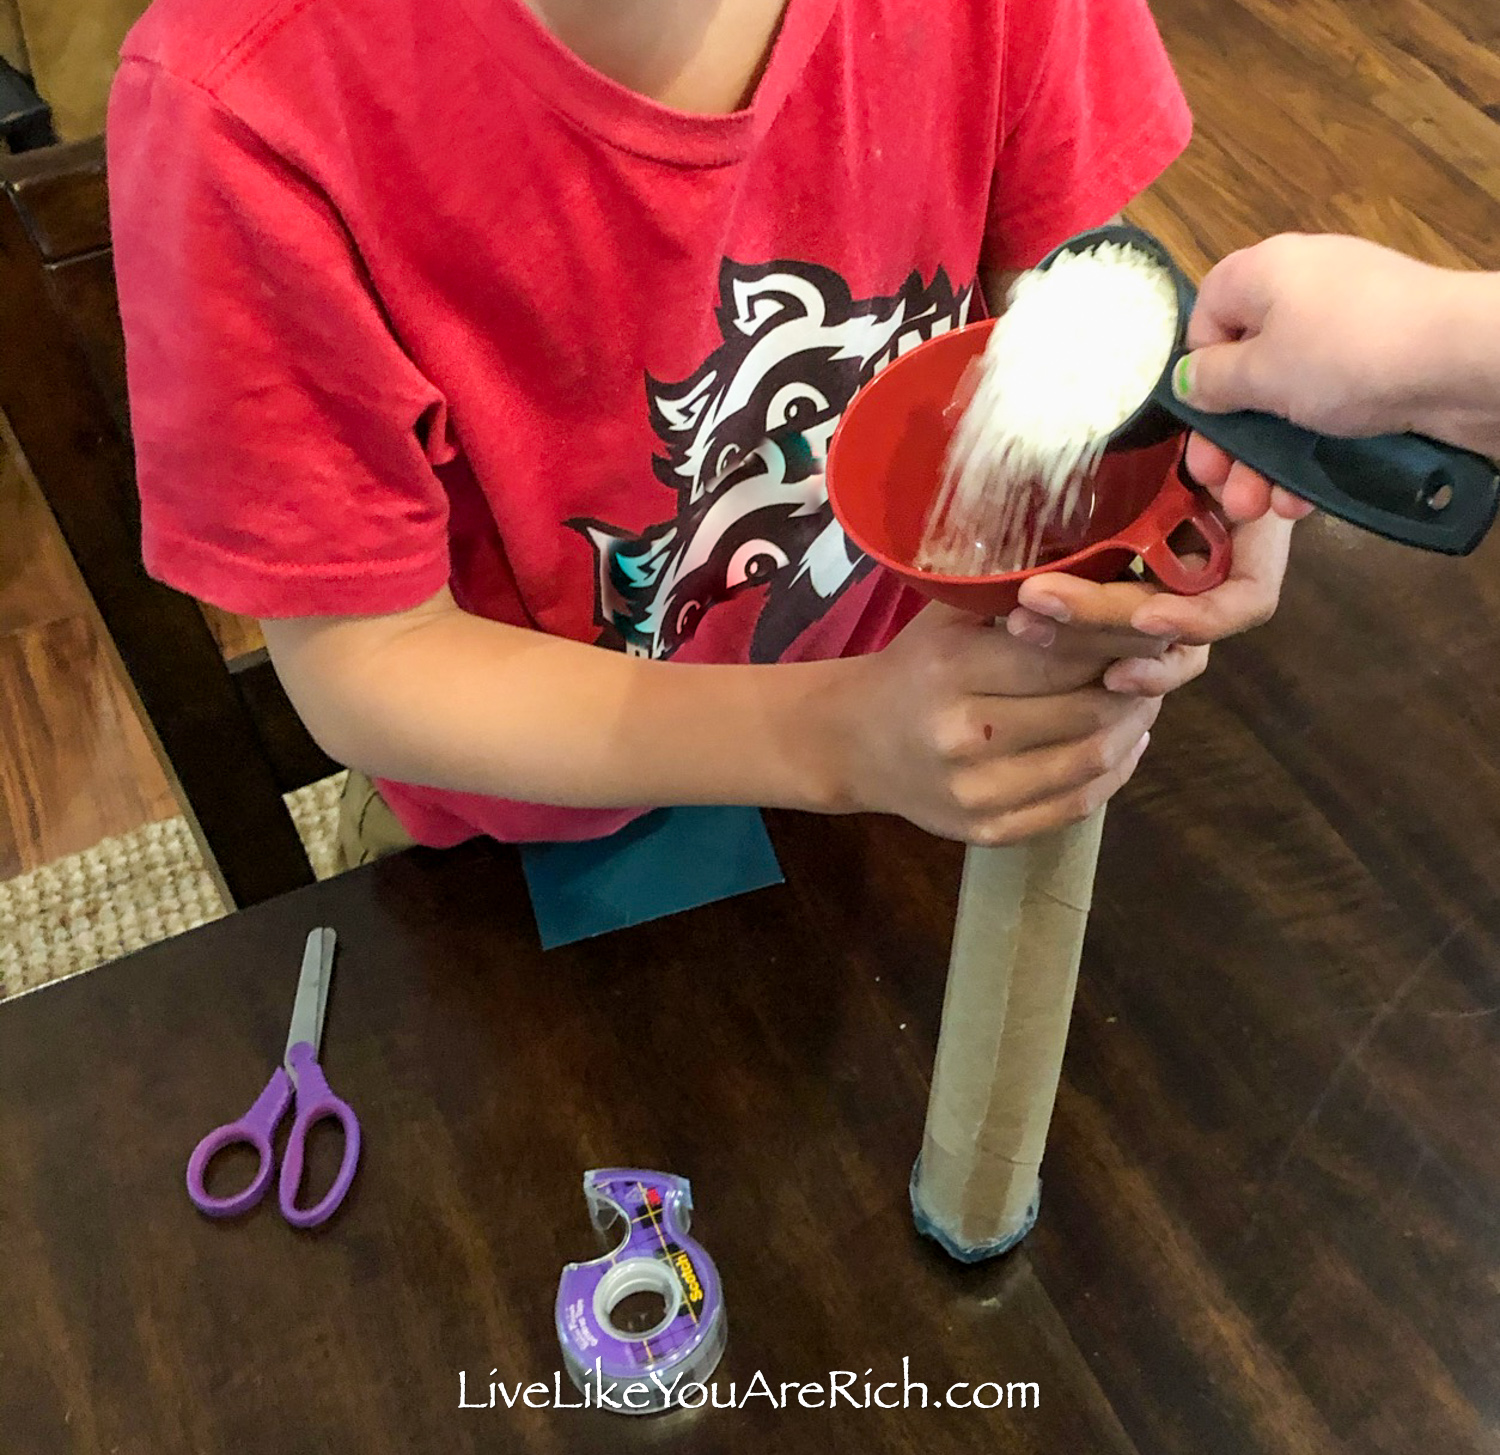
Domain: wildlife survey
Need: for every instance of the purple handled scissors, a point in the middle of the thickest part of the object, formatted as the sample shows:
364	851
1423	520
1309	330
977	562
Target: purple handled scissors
299	1078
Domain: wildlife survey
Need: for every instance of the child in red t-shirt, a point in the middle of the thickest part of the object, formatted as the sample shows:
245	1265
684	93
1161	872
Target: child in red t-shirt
485	351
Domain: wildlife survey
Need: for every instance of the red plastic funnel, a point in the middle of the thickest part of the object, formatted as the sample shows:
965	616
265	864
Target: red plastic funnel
887	459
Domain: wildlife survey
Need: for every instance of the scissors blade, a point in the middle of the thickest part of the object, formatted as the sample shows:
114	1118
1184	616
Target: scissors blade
312	995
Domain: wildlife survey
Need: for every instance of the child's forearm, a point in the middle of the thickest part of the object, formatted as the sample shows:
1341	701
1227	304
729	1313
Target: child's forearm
1456	363
956	725
452	701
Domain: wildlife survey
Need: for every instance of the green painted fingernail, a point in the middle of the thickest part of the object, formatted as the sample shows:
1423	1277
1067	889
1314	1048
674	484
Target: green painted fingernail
1182	377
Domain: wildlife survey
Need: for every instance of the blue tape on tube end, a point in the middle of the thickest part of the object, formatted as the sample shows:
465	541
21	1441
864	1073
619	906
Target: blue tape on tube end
979	1252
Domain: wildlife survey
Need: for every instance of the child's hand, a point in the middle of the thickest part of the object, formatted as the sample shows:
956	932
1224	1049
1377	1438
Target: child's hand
1243	495
1118	651
973	735
1162	640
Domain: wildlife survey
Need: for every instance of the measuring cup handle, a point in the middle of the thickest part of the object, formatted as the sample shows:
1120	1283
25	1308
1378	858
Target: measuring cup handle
1408	488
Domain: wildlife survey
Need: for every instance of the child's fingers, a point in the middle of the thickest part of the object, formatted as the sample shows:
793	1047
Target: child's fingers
1076	641
1207	463
1143	677
1072	601
1247	599
1068	807
1289	506
1242	493
1247	495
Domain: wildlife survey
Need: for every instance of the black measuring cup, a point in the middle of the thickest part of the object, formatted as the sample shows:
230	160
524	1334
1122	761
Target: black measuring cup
1405	487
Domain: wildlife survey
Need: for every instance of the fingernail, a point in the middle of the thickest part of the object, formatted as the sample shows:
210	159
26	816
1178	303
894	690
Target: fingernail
1033	633
1182	378
1119	679
1161	630
1049	606
1140	747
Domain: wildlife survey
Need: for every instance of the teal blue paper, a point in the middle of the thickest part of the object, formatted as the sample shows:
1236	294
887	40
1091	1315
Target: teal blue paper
670	860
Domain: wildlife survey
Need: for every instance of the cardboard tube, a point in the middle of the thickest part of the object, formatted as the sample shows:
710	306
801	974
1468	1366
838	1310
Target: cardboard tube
1017	942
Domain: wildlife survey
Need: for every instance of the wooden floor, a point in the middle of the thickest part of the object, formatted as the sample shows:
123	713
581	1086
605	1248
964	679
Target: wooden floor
76	765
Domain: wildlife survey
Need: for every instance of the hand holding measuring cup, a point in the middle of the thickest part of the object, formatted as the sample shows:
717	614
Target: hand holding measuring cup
1343	335
1410	488
890	452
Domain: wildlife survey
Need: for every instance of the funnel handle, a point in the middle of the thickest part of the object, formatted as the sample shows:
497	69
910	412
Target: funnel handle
1150	538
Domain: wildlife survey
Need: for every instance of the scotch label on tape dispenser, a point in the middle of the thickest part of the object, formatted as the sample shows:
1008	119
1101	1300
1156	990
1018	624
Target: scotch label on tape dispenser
646	1321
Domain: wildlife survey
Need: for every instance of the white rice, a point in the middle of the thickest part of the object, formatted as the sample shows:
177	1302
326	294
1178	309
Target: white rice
1074	355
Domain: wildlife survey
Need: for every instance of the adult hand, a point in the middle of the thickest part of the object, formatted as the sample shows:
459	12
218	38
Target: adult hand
1329	332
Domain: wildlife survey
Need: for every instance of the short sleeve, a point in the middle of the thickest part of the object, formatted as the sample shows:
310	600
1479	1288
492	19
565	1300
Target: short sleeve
1091	114
285	443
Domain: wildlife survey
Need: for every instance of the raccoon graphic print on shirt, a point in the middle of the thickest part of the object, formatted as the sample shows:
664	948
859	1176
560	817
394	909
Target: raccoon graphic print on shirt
743	439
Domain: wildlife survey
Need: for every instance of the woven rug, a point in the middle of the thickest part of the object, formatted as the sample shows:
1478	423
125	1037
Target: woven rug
130	891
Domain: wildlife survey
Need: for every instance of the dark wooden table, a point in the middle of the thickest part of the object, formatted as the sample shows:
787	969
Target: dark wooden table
1269	1220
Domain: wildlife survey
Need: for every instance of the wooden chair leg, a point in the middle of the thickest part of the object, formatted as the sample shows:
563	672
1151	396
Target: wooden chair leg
169	655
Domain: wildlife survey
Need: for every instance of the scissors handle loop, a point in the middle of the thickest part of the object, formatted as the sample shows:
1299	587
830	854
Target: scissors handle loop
315	1103
254	1130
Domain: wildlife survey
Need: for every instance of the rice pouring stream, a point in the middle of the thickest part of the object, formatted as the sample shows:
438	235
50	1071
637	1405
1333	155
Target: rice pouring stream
1079	347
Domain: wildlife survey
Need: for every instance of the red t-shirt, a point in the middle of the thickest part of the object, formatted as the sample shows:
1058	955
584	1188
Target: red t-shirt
413	296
